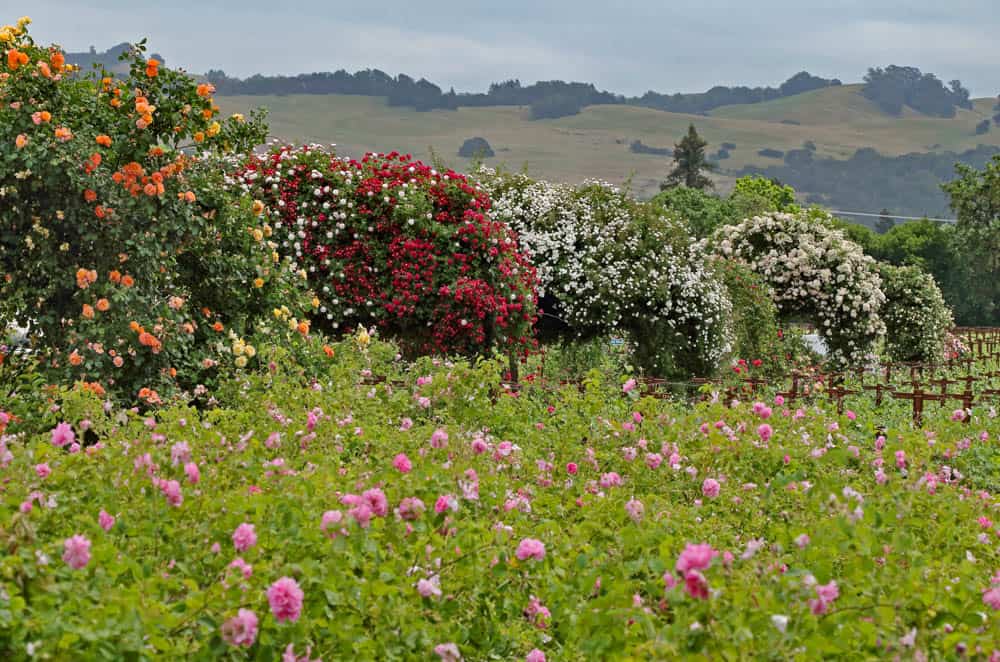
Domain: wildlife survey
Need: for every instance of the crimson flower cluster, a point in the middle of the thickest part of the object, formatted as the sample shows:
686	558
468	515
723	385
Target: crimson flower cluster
392	242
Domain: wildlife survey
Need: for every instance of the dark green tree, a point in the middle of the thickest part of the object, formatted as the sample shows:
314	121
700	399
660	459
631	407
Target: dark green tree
975	198
885	222
689	162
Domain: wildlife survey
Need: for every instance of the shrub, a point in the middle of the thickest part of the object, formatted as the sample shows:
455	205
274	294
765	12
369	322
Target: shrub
121	251
917	319
754	323
392	242
476	148
609	265
815	272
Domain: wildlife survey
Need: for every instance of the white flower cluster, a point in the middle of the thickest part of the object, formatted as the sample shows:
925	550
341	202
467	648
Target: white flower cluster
615	265
814	271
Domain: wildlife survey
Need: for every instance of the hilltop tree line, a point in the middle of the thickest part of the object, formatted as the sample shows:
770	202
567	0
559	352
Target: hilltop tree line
894	87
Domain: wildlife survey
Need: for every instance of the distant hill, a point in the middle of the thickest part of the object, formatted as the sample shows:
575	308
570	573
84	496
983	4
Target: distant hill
596	143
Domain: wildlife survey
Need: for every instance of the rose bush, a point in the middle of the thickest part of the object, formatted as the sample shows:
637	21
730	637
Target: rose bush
123	252
814	272
421	518
608	265
917	319
392	242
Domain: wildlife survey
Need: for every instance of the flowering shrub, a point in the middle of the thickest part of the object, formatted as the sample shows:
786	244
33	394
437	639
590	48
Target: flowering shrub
392	242
349	520
124	254
814	272
917	319
610	265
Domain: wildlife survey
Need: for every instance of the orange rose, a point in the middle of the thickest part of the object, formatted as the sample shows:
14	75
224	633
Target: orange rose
63	134
44	69
75	358
58	61
103	140
46	116
199	137
328	351
152	68
128	281
103	305
88	311
205	89
218	327
118	361
115	276
303	328
90	195
21	141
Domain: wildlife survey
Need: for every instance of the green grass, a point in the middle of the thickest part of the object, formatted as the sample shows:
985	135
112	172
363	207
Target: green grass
594	144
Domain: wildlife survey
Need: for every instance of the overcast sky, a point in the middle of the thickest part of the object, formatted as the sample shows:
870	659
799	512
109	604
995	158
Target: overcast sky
625	46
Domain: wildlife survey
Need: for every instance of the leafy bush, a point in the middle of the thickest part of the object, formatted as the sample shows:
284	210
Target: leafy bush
815	272
755	328
121	251
608	265
917	320
391	242
702	211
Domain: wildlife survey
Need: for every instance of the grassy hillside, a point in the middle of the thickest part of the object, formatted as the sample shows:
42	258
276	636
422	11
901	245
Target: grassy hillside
595	142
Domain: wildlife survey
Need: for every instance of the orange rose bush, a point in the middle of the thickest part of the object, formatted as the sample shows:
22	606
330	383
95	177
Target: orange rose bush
121	247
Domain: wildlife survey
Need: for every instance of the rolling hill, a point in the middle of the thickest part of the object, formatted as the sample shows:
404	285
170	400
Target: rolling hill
595	143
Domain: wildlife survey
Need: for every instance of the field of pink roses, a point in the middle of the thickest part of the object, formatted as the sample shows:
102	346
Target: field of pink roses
432	516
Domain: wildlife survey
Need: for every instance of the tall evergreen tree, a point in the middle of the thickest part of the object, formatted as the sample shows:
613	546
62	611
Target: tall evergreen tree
885	222
689	162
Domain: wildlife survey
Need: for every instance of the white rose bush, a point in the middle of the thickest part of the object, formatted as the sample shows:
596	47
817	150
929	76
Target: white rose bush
610	265
816	273
916	317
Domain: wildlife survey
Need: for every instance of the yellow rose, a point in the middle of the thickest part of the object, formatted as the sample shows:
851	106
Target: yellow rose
24	20
241	361
238	117
238	348
258	282
258	235
267	230
213	129
6	34
363	337
315	302
251	351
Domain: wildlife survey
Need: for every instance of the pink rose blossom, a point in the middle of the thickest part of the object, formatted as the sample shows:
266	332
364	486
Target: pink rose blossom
240	630
63	435
572	468
535	655
43	470
244	537
628	386
105	520
439	439
192	472
285	598
76	552
410	508
765	431
172	490
429	587
402	463
695	557
529	548
635	509
448	652
710	488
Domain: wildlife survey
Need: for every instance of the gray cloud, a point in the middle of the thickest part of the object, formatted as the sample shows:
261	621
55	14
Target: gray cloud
626	46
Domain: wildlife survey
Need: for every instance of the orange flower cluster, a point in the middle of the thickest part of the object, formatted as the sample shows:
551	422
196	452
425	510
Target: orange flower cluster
145	110
152	68
75	359
85	278
134	179
205	90
146	339
92	163
16	58
103	140
63	134
149	395
93	387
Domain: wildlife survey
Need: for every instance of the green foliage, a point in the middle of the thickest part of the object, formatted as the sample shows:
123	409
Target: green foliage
753	196
702	211
689	162
917	320
975	197
755	328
